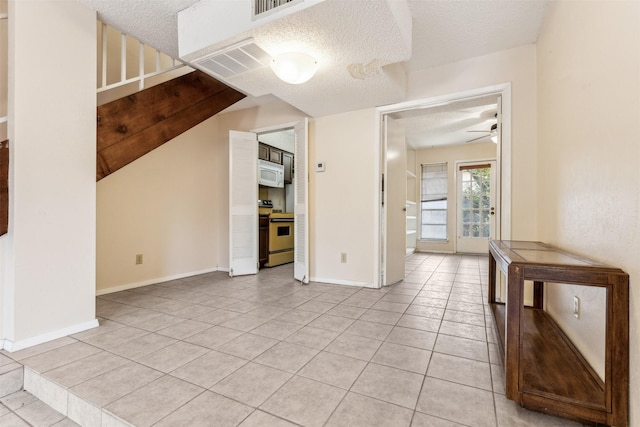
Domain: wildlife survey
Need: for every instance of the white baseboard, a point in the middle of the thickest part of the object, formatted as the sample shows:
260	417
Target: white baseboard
12	346
342	282
157	280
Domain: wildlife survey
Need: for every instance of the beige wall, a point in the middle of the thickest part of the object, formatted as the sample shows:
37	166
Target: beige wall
49	271
162	206
171	205
517	66
589	113
4	33
450	155
343	207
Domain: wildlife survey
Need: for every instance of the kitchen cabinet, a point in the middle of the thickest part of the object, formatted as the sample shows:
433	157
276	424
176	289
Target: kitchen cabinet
263	151
287	161
275	155
544	370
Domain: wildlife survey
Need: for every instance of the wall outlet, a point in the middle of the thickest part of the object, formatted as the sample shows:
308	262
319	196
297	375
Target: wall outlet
576	307
138	259
343	257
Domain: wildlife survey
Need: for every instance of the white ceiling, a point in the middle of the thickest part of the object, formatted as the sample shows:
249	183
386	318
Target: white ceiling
341	33
454	123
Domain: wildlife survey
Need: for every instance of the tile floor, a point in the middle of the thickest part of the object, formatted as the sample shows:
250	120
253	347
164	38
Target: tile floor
267	351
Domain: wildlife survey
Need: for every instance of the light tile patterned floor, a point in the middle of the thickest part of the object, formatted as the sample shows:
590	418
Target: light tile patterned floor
267	351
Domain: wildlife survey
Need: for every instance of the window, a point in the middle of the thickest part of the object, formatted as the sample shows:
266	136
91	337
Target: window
433	201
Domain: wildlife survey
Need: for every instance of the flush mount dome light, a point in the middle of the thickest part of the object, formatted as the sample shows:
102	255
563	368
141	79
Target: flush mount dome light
294	67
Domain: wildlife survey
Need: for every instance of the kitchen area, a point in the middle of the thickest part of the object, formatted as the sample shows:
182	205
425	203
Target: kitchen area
275	198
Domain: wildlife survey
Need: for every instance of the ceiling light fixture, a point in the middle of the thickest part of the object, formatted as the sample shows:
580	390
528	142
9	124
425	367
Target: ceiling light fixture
294	67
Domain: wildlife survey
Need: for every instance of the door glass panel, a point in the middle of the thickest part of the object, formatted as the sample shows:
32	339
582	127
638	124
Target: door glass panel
476	205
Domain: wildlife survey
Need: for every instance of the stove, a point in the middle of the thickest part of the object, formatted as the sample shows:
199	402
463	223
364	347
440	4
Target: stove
265	206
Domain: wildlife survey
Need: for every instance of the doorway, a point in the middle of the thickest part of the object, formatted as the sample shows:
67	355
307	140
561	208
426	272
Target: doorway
475	206
499	95
244	224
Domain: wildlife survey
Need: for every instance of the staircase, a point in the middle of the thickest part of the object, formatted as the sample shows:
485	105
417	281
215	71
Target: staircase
133	118
130	127
141	120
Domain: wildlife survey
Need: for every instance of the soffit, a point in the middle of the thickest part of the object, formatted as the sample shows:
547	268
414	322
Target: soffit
341	33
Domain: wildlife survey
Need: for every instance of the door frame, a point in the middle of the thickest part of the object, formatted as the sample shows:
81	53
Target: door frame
292	126
503	160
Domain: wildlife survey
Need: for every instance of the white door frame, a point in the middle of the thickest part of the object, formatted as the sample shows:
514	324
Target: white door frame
503	159
288	126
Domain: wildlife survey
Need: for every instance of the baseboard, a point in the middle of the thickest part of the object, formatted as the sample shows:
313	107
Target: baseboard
12	346
157	280
343	282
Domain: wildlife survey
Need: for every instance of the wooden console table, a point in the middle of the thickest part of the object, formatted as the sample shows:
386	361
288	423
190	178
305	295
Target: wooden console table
543	369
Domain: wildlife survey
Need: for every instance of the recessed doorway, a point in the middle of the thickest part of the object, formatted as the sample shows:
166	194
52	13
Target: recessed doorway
459	129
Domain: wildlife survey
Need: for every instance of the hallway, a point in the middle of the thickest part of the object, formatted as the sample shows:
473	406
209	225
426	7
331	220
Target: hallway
267	351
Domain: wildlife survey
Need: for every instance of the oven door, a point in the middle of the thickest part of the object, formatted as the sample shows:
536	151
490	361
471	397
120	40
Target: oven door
280	234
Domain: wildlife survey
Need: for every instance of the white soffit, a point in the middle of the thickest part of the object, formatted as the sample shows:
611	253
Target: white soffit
355	43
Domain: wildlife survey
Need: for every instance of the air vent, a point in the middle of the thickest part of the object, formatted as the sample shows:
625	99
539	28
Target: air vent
263	7
235	60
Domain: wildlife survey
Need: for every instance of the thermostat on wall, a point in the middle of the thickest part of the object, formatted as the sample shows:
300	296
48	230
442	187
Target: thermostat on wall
320	167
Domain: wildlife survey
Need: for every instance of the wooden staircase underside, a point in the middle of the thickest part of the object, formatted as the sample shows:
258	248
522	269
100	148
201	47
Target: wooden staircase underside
130	127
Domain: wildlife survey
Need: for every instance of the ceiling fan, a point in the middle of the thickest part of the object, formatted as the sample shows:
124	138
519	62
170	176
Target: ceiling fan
493	132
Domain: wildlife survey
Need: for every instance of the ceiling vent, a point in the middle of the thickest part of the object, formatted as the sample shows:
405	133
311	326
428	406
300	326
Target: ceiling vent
263	8
235	60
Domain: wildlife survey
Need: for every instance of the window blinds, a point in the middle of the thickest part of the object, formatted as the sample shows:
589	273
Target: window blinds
434	182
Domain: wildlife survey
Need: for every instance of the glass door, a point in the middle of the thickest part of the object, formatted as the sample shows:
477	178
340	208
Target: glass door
476	207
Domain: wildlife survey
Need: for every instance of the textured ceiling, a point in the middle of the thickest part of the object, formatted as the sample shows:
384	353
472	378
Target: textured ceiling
364	34
153	22
340	35
450	124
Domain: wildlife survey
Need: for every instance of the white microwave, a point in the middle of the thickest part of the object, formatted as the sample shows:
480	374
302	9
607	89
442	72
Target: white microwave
270	174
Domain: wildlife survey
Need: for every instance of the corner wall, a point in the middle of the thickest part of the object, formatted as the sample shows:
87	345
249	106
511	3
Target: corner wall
49	262
589	113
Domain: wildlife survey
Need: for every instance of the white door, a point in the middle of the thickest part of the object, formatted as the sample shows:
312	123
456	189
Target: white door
243	203
301	204
395	199
476	211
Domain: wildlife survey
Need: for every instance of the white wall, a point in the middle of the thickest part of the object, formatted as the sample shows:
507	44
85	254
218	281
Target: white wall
343	208
49	283
4	24
517	66
589	113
